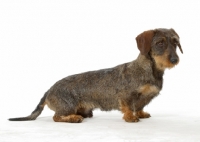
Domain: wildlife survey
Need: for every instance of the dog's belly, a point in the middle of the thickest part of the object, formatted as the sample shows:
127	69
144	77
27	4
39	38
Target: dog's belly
103	102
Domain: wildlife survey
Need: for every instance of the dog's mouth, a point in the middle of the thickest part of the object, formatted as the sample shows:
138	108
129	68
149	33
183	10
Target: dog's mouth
163	63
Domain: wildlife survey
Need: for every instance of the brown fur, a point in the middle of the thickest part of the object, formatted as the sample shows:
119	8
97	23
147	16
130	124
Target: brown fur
128	87
70	118
144	41
128	113
142	114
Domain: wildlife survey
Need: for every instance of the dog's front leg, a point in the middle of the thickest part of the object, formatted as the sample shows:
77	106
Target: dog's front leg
129	115
142	114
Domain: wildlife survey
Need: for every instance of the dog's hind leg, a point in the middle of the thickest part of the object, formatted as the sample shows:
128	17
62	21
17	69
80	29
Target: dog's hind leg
66	114
85	112
73	118
65	107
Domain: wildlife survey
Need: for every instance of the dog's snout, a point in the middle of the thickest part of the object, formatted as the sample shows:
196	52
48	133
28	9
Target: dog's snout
174	60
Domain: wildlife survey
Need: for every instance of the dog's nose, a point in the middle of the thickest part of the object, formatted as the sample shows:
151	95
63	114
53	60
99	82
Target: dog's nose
174	60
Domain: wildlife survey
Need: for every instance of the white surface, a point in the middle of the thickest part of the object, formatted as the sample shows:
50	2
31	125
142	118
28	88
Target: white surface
106	127
44	41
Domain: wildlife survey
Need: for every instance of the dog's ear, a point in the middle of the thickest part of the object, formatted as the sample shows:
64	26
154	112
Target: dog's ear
144	41
179	45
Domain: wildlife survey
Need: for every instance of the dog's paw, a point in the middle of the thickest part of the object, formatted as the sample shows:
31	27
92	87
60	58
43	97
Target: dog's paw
72	118
142	114
131	118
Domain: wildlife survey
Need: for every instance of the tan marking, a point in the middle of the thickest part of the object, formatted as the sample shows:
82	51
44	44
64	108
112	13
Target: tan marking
70	118
148	89
142	114
162	62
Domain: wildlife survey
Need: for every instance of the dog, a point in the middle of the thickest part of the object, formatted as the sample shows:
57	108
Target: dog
127	87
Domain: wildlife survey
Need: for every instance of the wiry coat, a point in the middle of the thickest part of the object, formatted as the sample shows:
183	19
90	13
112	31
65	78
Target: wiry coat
127	87
104	88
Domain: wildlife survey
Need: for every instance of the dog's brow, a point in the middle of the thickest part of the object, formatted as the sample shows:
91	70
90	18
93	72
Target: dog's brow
159	39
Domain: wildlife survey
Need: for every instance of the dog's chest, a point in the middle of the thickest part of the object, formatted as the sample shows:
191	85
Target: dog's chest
148	89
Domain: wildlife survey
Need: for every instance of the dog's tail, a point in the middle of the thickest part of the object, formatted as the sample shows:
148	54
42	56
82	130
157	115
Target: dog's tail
35	113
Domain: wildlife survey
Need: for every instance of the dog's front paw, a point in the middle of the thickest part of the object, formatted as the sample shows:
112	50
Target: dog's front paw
142	114
130	118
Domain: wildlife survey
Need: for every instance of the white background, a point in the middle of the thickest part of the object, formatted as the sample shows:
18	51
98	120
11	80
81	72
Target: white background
42	42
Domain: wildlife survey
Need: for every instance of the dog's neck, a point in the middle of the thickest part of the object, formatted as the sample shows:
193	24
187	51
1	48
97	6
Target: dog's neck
156	72
146	61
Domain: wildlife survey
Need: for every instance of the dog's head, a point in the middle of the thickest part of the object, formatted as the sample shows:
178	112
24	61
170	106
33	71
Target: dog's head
161	45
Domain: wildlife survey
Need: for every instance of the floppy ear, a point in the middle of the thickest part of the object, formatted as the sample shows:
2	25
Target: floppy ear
144	41
179	45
